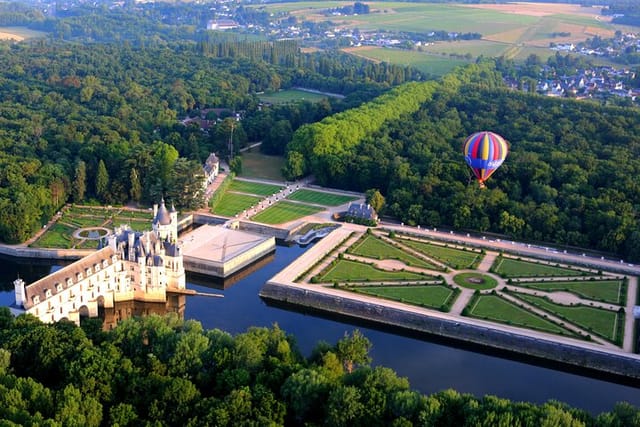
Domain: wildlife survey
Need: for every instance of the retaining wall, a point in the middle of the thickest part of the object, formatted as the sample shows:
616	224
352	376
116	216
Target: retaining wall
25	252
610	363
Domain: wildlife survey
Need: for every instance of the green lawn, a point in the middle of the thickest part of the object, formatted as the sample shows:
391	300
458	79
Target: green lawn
320	197
495	308
135	225
429	63
434	296
85	221
57	236
254	188
347	270
373	247
475	281
142	215
601	290
258	165
232	204
283	212
599	321
509	267
454	258
291	95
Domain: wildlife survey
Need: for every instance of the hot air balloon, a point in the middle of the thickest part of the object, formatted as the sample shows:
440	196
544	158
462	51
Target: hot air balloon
484	153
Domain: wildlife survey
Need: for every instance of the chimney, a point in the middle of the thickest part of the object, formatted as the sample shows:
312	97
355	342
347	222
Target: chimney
155	210
20	292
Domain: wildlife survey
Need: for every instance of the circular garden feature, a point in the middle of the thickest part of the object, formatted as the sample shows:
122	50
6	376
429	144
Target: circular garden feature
475	281
91	233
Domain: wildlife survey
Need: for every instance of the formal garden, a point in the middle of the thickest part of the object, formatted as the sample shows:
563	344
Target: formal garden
523	292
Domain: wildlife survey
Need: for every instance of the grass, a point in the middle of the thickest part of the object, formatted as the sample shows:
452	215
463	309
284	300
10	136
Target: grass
320	197
601	290
373	247
283	212
509	267
455	258
468	280
348	271
475	48
85	221
599	321
291	96
20	33
135	225
429	63
495	308
57	236
257	165
232	204
434	296
258	188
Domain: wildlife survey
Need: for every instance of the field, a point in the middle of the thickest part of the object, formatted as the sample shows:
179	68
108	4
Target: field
257	165
232	204
291	95
509	267
254	188
283	212
428	63
320	197
601	290
599	321
19	33
348	271
454	258
492	307
373	247
434	296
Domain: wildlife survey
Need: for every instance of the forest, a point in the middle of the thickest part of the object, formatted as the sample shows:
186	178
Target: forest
164	371
570	178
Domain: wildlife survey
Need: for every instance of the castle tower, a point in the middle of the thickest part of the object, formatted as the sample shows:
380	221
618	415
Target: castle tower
165	223
18	285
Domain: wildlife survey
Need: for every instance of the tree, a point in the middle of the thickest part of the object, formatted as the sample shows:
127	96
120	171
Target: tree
236	165
353	350
79	181
375	199
102	181
295	166
135	190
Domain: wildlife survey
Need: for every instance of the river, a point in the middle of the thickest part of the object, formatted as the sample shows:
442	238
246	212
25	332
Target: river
429	363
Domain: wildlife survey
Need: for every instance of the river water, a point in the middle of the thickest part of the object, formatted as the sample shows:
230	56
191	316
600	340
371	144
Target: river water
429	363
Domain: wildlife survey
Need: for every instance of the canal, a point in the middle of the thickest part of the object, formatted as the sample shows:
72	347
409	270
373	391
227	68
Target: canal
429	363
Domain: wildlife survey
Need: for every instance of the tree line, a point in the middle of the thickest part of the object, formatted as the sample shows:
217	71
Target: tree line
168	372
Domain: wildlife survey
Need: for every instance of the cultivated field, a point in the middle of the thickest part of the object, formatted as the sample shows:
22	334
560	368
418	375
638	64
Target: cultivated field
19	33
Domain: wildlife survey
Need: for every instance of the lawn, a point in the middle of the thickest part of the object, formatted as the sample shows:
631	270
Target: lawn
475	281
250	187
57	236
135	225
320	197
283	212
509	267
596	320
232	204
373	247
492	307
429	63
19	33
434	296
257	165
475	48
291	96
349	271
454	258
600	290
84	221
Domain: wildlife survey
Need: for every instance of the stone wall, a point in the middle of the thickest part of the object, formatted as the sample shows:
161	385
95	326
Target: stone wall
610	363
25	252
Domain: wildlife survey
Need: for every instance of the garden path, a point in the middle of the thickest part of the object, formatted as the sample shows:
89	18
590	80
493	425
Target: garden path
487	261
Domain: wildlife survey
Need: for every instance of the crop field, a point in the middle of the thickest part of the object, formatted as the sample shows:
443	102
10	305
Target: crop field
429	63
492	307
433	296
509	267
455	258
320	197
232	204
291	96
283	212
250	187
599	321
350	271
600	290
374	247
258	165
19	33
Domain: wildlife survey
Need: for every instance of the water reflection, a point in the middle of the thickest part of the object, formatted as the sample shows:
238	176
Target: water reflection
127	309
222	284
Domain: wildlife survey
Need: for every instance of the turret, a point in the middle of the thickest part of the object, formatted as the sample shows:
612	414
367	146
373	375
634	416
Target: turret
20	292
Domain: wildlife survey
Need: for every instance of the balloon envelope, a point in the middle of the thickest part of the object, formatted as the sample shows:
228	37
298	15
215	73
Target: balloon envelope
484	153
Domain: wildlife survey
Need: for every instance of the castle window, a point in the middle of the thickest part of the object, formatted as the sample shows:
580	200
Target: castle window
79	276
59	287
105	263
96	268
36	299
69	282
47	293
88	271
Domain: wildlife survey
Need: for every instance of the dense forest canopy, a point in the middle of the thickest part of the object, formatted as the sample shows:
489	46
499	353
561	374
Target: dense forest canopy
571	176
168	372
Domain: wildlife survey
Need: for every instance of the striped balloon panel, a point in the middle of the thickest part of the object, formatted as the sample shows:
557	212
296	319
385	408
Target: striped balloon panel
484	153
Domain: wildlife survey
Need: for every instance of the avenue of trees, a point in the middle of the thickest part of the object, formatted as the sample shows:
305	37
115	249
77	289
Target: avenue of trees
167	372
571	176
